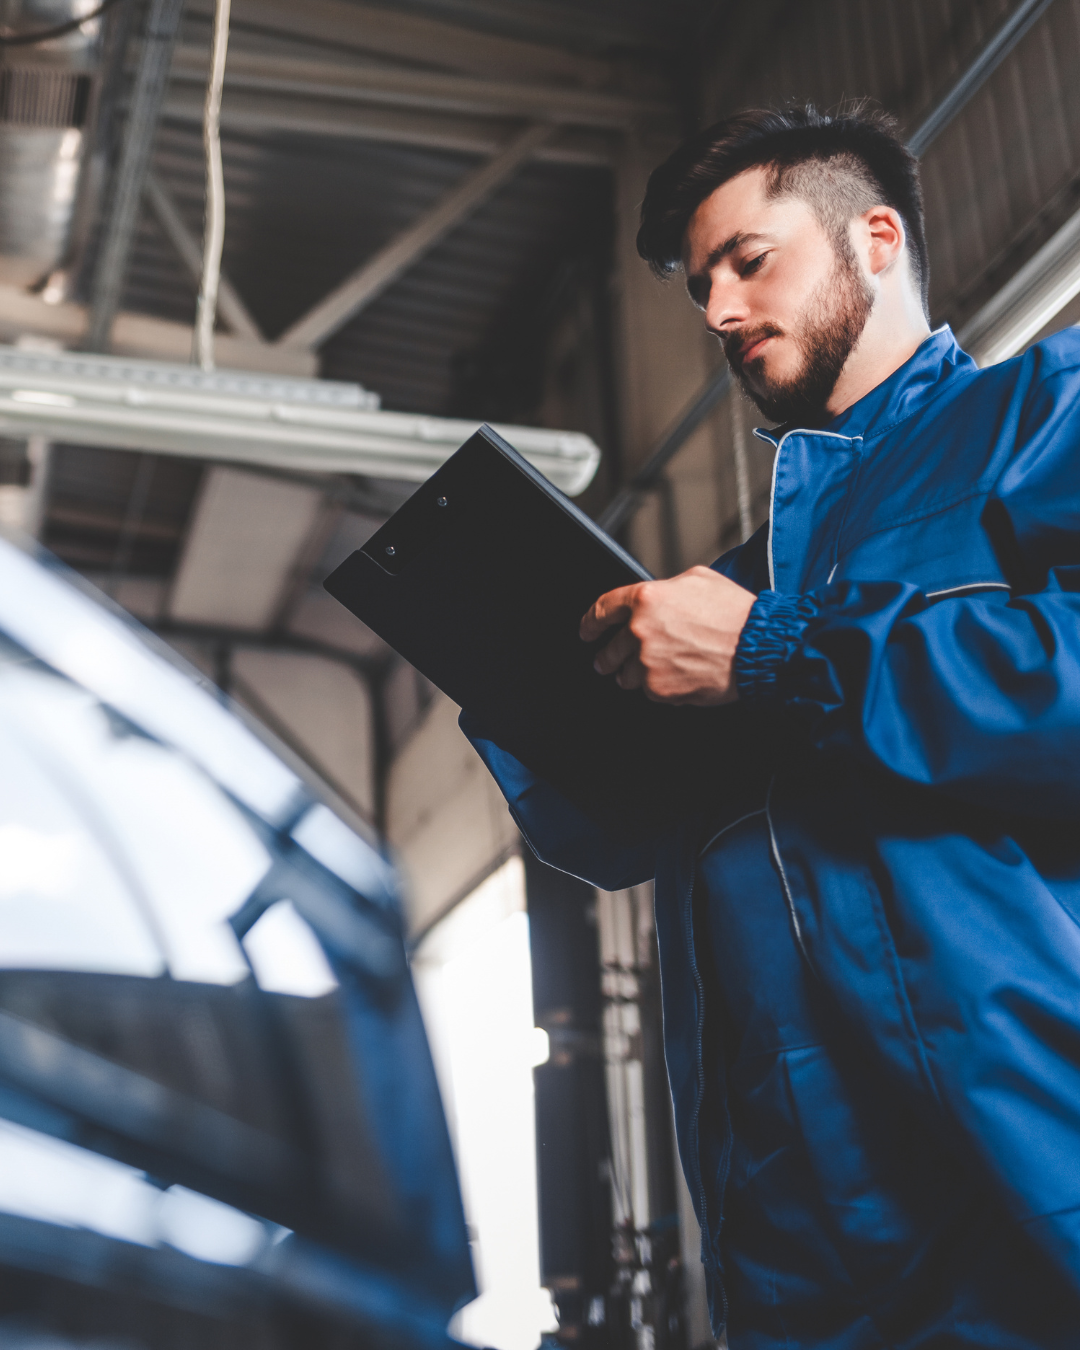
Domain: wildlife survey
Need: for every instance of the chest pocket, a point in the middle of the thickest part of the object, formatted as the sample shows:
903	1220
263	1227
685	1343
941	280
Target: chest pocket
944	551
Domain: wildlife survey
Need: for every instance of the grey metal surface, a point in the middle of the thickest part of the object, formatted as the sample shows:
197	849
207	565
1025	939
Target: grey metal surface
597	26
44	96
159	38
401	253
303	213
1041	288
976	75
38	179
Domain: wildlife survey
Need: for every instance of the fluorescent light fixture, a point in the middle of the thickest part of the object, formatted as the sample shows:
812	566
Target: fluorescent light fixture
1027	303
315	426
43	397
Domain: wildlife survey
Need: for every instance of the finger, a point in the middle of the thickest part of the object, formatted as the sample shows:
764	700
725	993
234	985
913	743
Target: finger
631	674
653	697
612	607
610	658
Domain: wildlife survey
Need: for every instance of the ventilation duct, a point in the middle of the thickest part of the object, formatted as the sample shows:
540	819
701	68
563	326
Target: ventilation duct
45	91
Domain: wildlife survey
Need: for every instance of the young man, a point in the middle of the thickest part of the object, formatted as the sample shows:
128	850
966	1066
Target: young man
870	952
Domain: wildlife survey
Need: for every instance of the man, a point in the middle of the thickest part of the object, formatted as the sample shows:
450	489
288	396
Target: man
871	968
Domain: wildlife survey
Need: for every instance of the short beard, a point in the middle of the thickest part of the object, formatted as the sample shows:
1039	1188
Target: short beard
827	331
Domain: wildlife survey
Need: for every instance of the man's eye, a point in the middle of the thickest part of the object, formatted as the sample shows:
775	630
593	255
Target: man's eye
752	264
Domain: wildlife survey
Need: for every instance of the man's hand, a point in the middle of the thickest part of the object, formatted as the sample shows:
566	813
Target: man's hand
678	638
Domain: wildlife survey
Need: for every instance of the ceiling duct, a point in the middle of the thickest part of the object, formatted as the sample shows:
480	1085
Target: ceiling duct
45	91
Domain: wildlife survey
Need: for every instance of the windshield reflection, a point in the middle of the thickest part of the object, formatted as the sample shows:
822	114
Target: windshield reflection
209	1041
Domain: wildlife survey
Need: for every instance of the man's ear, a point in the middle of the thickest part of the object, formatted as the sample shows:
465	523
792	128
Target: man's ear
883	237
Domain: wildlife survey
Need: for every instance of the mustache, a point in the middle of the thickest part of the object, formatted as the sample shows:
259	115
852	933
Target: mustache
739	340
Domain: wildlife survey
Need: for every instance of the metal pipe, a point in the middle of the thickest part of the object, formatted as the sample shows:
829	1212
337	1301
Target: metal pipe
976	75
627	500
46	90
151	79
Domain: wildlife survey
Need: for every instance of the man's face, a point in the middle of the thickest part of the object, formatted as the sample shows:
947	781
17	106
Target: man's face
786	306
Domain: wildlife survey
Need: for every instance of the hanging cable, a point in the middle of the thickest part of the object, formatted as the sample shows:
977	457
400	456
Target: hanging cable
47	34
214	220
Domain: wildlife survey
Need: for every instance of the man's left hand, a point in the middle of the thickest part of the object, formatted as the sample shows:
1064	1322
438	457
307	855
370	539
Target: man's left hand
678	638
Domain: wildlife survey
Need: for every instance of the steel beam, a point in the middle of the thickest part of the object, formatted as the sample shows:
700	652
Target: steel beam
389	263
119	226
433	91
140	335
230	307
411	37
249	112
1027	303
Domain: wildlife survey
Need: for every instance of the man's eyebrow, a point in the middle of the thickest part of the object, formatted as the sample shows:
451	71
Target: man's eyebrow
737	240
697	283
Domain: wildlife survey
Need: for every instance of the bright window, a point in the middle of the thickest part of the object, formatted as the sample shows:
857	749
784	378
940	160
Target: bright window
474	978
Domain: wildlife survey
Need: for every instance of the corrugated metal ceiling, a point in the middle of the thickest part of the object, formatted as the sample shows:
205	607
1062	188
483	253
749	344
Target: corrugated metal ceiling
303	212
598	26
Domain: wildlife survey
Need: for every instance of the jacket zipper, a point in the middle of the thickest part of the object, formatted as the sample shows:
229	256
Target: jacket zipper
695	1116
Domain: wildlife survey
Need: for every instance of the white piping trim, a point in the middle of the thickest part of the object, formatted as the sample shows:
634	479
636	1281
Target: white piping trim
969	586
784	881
772	508
749	816
795	431
832	573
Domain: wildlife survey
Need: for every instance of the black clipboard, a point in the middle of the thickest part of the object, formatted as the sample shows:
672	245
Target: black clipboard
480	581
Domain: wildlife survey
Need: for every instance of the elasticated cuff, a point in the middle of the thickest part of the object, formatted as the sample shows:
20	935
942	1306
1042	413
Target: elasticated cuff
770	636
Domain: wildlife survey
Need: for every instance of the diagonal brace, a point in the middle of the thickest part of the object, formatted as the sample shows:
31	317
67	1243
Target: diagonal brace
230	307
379	272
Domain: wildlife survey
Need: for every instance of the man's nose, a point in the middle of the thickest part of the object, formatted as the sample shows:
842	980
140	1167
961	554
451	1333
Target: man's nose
725	310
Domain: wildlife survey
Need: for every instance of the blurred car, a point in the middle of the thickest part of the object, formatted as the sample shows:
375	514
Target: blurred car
219	1122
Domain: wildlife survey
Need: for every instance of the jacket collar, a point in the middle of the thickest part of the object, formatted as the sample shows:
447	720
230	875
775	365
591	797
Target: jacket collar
937	360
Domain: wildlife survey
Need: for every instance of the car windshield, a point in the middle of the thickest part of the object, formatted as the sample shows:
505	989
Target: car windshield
209	1040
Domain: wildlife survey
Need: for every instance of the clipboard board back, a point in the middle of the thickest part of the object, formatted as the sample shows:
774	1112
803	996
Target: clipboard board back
480	581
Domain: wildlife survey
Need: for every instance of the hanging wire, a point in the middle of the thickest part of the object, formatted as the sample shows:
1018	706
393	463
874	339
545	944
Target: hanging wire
47	34
214	221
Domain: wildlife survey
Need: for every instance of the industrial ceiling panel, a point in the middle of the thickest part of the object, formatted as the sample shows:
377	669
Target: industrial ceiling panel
112	510
244	541
507	256
309	213
587	25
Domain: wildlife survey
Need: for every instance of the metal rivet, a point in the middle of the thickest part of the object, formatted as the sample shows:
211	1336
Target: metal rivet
440	501
390	550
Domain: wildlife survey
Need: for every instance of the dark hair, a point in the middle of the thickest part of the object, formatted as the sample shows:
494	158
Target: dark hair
841	165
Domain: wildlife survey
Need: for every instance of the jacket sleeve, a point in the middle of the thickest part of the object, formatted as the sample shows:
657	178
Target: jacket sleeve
556	831
978	695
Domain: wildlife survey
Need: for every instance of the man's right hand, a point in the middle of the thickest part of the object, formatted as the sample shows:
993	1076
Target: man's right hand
678	637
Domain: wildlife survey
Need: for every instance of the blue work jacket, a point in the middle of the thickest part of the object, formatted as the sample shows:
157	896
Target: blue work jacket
917	635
